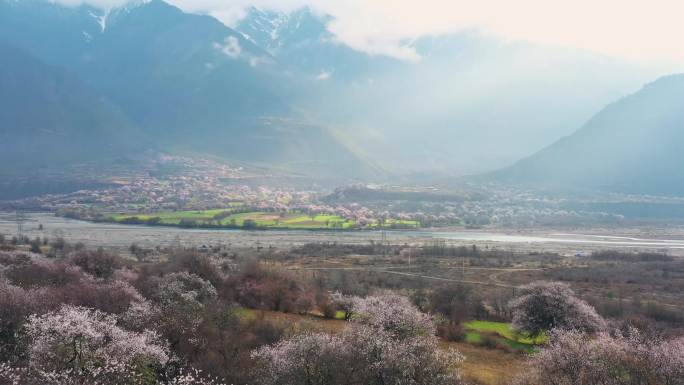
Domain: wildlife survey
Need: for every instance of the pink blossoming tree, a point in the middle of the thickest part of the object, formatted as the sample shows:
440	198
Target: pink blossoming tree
542	306
80	339
389	342
575	358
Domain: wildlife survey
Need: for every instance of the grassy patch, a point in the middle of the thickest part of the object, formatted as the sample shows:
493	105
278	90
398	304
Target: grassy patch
245	314
488	366
504	330
505	333
339	315
473	338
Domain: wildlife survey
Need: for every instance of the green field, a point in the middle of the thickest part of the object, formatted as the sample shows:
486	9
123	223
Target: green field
223	218
476	329
257	219
389	223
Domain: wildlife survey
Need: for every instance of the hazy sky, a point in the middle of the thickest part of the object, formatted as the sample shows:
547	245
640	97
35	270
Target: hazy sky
650	30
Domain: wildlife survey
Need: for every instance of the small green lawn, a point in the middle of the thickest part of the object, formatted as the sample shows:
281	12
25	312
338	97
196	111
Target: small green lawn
503	330
473	338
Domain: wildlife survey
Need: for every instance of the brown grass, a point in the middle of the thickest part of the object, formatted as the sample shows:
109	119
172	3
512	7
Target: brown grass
488	366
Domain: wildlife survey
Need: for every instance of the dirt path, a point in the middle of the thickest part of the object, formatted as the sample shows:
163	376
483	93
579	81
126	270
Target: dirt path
386	270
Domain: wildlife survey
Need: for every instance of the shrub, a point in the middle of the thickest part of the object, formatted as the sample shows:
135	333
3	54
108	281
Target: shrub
15	305
456	303
196	263
488	341
35	245
98	263
108	296
328	309
43	272
451	331
262	288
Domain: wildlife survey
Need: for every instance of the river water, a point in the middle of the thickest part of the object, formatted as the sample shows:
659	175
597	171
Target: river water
121	236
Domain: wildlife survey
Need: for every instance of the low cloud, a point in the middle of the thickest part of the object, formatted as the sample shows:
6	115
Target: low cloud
324	75
230	47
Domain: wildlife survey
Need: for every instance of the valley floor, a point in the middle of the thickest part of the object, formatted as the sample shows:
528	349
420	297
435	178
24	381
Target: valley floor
579	241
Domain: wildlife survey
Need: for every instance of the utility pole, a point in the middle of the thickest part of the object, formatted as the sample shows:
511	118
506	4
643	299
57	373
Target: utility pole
409	255
20	225
383	241
463	258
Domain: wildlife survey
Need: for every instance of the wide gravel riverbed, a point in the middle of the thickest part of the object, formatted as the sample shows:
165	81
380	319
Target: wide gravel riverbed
122	236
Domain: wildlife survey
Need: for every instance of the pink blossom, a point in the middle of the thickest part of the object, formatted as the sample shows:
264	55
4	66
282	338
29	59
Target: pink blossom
574	358
77	337
543	306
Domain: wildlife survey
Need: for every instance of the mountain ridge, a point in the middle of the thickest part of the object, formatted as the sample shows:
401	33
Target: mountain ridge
74	123
632	145
187	80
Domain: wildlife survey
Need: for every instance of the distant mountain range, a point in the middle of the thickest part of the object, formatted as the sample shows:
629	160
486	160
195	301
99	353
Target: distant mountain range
188	81
633	145
280	90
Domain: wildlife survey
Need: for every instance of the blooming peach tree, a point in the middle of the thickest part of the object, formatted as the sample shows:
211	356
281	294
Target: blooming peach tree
575	358
543	306
389	342
80	339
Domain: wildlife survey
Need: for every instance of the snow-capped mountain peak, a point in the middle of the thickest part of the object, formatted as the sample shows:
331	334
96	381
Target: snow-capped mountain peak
272	29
